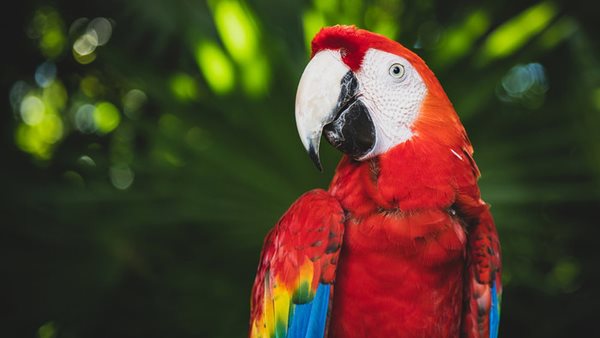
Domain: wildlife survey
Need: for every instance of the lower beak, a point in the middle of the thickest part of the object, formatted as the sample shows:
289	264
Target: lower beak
328	99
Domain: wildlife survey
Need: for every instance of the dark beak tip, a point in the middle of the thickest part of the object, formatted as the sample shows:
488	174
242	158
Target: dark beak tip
314	156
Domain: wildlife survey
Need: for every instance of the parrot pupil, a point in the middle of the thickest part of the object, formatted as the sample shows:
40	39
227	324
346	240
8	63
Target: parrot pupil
397	70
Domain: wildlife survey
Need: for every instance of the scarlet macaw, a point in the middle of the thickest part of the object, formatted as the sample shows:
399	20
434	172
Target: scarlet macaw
401	244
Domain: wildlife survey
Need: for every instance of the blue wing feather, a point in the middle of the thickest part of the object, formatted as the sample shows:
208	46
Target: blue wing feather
299	318
309	320
494	312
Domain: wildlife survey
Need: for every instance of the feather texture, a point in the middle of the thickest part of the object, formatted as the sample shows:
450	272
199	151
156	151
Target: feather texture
291	293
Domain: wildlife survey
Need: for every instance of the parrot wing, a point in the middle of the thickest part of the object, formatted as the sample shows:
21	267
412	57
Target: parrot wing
294	282
483	286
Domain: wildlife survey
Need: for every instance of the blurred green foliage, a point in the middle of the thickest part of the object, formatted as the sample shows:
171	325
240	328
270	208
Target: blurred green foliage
148	146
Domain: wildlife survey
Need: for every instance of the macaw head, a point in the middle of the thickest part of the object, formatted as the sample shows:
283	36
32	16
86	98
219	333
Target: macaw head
366	94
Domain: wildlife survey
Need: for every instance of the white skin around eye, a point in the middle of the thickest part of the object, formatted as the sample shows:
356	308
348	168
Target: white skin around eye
393	101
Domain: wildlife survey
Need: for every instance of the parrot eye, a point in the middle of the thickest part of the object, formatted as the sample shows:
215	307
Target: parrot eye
397	70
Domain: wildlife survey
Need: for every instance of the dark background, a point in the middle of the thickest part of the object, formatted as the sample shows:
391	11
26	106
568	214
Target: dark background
146	153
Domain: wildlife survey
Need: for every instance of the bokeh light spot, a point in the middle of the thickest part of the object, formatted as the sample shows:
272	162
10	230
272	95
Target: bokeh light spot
84	118
596	98
102	29
86	161
51	128
48	28
558	32
216	67
84	59
17	93
516	32
38	139
184	87
73	178
96	33
52	43
526	84
78	27
382	20
170	124
565	273
45	74
240	35
106	117
86	44
523	78
327	6
48	330
133	102
255	77
381	17
458	40
312	22
55	95
32	110
237	29
27	140
91	86
171	158
121	176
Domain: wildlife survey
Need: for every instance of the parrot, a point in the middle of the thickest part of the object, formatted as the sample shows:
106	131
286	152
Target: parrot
401	243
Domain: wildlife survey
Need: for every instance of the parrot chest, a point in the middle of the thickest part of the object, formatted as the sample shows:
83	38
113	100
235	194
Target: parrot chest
400	275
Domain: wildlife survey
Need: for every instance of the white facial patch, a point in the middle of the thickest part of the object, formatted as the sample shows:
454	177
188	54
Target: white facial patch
393	91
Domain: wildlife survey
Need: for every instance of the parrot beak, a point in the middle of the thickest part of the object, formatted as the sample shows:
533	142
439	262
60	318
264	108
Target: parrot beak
328	99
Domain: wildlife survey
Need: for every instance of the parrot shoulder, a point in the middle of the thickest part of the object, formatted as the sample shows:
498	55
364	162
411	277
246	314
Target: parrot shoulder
293	286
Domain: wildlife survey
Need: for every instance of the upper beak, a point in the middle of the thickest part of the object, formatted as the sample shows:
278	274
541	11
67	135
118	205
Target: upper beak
317	97
328	98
